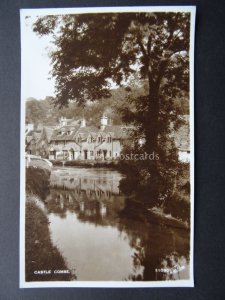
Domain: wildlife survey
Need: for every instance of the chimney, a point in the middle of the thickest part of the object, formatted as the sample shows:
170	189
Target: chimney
83	123
104	122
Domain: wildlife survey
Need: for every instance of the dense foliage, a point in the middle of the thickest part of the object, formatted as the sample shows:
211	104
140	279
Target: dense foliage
43	111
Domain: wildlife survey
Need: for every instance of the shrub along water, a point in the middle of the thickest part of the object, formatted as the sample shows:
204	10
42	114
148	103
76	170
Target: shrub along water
37	182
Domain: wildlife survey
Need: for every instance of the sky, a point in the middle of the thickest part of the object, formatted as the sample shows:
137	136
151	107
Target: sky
35	63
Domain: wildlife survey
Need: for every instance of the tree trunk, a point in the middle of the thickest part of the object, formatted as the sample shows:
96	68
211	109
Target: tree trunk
151	125
152	131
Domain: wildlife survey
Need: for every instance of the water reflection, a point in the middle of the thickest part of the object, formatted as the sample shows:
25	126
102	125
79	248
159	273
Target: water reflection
104	235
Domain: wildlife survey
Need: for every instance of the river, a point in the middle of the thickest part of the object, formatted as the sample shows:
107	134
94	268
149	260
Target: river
101	234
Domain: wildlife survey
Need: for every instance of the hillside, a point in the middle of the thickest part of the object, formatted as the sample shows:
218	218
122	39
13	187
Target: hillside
44	112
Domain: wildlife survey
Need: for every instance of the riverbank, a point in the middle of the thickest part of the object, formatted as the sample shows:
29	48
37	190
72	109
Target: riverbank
172	210
86	163
41	255
43	262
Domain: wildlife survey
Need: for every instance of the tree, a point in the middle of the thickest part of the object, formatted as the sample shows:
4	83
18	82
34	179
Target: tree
92	49
34	111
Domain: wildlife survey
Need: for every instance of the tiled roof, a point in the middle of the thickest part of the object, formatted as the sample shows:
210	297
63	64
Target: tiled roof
116	131
85	131
68	127
93	134
61	134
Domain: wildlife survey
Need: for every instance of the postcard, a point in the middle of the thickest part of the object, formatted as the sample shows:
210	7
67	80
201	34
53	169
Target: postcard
107	147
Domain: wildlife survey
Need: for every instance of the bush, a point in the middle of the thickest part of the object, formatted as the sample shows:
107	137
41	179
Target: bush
37	182
57	163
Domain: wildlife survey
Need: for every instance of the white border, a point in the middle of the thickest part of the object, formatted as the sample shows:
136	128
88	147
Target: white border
109	284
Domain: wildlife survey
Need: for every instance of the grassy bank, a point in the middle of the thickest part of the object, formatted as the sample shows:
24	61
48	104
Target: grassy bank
40	254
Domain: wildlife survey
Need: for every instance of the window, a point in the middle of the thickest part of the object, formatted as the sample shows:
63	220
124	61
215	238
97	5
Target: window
91	153
99	139
109	139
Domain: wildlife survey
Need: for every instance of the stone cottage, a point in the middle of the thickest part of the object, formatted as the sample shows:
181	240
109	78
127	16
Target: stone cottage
72	142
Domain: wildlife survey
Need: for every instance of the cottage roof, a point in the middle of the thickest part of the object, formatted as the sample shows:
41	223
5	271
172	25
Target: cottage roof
93	135
85	131
64	133
71	132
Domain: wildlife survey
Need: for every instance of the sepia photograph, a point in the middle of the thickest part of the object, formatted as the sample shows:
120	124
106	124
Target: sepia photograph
107	147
